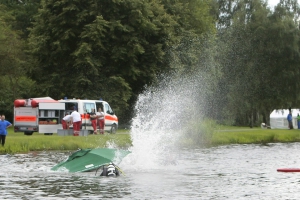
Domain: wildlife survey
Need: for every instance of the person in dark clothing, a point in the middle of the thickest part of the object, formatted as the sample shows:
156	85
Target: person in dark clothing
290	120
109	170
298	121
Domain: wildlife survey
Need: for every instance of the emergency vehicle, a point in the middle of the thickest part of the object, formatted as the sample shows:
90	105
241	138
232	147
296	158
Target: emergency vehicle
44	114
84	107
41	115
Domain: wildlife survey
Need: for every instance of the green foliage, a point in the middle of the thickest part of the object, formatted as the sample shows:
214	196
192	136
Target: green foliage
13	65
97	49
259	59
112	49
23	11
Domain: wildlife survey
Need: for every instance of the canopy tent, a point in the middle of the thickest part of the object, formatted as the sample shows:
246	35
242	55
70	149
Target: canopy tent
278	118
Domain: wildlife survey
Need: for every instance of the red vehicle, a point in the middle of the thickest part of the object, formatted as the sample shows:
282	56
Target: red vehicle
41	115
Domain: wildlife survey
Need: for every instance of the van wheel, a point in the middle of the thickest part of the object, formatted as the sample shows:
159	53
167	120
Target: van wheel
28	133
113	129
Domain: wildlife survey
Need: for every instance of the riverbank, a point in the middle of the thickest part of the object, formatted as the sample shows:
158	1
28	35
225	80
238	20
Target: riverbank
244	135
20	143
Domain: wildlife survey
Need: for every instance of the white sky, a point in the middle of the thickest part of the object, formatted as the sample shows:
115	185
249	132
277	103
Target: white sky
273	3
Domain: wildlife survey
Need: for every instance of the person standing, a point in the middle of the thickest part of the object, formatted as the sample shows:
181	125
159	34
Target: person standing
3	129
93	118
76	121
298	121
290	120
66	121
100	118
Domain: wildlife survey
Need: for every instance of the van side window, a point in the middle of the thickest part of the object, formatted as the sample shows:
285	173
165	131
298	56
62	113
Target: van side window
87	107
108	109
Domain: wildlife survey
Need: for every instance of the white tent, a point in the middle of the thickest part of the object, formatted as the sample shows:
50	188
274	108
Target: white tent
278	118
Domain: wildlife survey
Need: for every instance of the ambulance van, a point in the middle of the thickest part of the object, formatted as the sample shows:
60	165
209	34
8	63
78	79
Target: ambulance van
84	107
42	115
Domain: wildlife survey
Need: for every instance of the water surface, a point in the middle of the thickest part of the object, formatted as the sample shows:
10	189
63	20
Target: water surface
225	172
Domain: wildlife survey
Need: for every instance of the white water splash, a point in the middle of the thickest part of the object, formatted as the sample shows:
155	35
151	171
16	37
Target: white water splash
162	114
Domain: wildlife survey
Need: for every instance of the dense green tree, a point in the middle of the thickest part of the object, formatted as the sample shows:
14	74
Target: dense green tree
23	12
284	57
13	83
194	24
263	52
239	86
112	49
96	49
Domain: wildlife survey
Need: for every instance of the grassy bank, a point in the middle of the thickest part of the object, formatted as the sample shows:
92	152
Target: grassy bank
245	135
20	143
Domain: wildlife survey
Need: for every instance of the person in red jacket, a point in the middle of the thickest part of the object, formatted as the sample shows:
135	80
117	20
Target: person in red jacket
93	118
100	117
66	121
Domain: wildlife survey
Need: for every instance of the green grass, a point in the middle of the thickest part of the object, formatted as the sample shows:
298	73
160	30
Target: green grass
20	143
221	135
254	135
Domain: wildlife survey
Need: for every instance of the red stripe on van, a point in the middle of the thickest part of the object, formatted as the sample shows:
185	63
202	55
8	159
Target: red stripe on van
25	118
109	117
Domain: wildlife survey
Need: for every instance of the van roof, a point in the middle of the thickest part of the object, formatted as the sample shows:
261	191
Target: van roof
82	100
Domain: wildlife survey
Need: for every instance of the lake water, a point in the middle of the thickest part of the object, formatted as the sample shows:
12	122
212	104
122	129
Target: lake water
224	172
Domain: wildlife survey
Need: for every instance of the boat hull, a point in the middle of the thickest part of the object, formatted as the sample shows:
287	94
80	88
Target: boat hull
85	160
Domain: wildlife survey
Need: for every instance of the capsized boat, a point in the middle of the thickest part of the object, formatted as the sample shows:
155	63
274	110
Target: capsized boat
85	160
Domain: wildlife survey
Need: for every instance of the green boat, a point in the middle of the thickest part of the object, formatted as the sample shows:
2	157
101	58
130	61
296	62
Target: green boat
86	160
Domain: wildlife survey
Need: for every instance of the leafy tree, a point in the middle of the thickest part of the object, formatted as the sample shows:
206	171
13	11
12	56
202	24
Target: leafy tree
264	48
23	12
283	55
96	49
13	83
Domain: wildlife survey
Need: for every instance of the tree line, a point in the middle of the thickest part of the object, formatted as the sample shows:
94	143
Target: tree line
113	49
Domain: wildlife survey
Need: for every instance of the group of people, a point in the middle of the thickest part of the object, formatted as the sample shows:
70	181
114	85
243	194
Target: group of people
97	118
290	120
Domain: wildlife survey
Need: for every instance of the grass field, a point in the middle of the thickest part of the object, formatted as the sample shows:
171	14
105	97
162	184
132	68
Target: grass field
20	143
222	135
246	135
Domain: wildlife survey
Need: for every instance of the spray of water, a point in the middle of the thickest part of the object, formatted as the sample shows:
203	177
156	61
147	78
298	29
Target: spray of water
162	114
165	111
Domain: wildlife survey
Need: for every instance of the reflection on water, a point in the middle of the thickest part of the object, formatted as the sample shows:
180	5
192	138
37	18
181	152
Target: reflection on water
227	172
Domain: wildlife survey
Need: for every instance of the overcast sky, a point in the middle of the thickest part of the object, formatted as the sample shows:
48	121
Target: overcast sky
273	3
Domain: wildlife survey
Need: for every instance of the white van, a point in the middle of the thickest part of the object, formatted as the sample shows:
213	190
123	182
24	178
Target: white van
84	107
